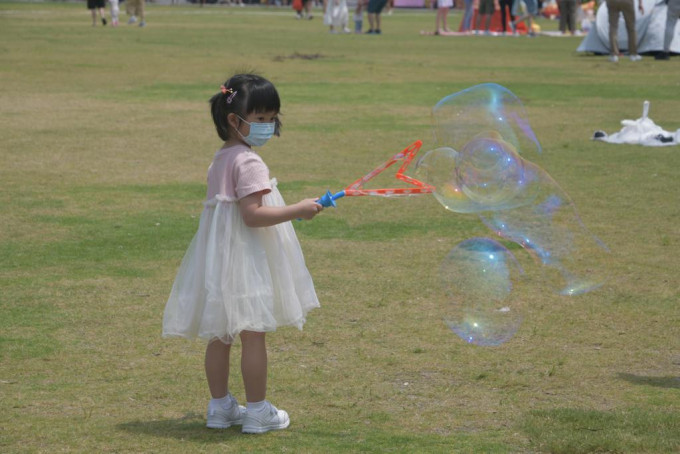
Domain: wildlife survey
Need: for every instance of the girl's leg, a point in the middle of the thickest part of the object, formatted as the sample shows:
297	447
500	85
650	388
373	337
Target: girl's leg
445	20
217	368
254	365
94	17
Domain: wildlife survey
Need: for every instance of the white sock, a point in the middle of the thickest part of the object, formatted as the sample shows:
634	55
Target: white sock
224	402
256	406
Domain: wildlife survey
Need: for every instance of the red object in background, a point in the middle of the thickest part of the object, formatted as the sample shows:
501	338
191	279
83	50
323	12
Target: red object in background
496	23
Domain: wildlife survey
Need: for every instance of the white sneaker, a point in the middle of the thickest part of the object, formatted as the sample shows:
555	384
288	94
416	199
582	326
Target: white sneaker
635	57
614	58
220	418
271	418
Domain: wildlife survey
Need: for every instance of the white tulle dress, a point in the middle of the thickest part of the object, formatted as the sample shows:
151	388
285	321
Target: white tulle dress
234	277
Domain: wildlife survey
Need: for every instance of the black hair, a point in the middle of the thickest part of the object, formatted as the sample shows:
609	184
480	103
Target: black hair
245	93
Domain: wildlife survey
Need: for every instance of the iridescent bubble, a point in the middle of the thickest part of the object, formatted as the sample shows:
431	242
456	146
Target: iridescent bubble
487	174
551	230
480	166
479	277
460	118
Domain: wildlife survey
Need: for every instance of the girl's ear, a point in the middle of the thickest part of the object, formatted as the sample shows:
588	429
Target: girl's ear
233	120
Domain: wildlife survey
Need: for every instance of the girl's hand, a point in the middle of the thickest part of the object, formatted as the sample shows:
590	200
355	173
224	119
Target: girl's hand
308	208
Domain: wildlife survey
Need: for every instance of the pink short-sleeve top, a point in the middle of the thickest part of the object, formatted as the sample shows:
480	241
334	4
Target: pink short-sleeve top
237	172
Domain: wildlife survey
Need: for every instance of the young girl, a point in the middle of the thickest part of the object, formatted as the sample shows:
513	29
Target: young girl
244	273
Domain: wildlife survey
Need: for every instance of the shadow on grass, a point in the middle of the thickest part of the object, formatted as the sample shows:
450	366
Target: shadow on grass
659	382
190	427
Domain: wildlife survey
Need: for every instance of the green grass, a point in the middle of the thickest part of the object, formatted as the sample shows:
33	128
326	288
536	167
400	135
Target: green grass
105	141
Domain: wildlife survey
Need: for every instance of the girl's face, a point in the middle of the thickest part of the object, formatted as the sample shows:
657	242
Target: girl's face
243	127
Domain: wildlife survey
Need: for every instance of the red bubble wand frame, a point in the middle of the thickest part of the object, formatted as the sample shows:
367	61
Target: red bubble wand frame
357	189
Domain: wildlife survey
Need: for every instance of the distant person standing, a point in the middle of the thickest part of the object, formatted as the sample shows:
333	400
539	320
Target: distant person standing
359	16
336	16
506	9
441	26
627	8
484	14
115	12
375	7
303	5
135	9
672	15
94	6
567	16
466	25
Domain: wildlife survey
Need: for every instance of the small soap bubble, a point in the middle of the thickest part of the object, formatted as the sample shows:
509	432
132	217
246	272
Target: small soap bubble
484	305
486	175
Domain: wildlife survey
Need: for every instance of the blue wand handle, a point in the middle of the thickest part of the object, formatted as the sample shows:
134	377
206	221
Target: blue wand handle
328	199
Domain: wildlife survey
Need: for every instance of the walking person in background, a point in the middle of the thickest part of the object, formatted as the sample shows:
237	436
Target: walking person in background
243	274
627	8
672	15
94	6
135	8
528	18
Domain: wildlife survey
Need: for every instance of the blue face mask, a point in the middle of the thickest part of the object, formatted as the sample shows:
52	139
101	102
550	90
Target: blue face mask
259	133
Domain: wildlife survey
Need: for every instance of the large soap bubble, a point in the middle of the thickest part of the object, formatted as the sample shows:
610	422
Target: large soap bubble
480	166
551	230
459	119
484	306
486	174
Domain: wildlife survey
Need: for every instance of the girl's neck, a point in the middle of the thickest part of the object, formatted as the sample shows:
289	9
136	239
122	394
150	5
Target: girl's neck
234	141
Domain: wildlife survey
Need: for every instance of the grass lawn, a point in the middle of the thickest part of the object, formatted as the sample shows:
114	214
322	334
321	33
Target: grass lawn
105	140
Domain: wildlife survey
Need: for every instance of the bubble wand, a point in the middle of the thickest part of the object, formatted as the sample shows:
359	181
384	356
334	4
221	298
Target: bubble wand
357	189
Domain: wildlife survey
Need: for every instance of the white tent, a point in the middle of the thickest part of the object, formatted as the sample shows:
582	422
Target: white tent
649	28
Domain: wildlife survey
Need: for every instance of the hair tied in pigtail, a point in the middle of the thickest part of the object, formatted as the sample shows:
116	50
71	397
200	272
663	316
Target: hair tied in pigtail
231	92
